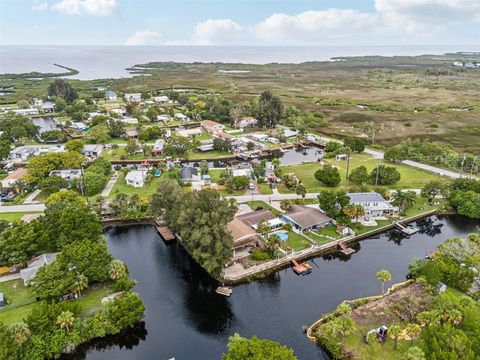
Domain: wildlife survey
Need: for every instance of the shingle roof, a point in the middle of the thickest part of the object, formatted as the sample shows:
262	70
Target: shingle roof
187	172
240	231
306	216
255	217
365	197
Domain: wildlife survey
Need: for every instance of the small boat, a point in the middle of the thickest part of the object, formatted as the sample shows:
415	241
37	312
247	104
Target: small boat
223	290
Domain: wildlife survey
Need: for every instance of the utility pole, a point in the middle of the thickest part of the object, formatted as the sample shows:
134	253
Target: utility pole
376	175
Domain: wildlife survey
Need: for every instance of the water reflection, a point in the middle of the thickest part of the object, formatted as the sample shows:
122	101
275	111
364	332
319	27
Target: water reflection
430	226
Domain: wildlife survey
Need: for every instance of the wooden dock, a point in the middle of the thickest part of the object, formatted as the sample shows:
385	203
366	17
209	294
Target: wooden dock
301	269
407	230
345	249
223	290
166	233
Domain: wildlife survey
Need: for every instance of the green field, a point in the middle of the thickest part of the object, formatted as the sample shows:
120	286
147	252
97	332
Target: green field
260	204
122	187
265	189
14	216
411	178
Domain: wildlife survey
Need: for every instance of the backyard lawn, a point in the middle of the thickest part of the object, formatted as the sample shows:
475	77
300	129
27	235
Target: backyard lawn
122	187
14	216
265	189
411	178
261	204
295	242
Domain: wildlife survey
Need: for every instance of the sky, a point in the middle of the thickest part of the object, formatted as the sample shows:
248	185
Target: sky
239	22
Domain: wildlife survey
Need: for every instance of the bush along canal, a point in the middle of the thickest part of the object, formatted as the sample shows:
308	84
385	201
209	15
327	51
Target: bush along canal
186	319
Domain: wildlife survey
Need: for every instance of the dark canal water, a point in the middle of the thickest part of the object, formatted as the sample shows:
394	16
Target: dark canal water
186	319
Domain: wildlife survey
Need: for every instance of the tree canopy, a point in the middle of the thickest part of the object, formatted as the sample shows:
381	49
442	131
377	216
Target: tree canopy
240	348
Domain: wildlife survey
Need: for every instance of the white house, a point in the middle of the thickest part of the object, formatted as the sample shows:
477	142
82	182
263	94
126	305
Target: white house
92	150
22	153
136	178
26	112
289	133
110	95
133	97
259	137
273	140
212	127
158	146
161	99
129	120
181	117
247	122
373	203
163	118
48	107
68	174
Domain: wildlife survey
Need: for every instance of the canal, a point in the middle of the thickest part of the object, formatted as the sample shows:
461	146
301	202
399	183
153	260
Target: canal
185	318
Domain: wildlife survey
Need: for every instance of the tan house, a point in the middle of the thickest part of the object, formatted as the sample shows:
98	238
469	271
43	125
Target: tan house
212	127
13	177
244	237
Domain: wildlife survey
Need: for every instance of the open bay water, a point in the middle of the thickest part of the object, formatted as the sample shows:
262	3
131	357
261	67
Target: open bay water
99	62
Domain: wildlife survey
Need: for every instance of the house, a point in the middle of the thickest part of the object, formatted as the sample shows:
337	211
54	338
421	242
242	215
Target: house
136	178
79	126
68	174
189	132
212	127
254	218
163	118
305	218
51	149
289	133
48	107
339	157
189	174
92	150
111	95
258	137
161	99
131	133
205	145
224	136
133	97
373	203
119	111
22	153
26	112
158	147
311	137
244	238
34	265
247	122
273	140
181	117
269	169
13	177
129	120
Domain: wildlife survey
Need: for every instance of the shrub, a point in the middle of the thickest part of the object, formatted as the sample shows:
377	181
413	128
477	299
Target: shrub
259	255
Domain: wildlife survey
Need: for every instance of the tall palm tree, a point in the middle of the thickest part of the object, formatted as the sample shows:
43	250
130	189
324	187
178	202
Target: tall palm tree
394	331
272	243
404	199
359	211
301	190
20	333
343	309
383	275
80	284
116	269
65	320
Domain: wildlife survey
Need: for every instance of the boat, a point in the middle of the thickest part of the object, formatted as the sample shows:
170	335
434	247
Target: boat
223	290
301	269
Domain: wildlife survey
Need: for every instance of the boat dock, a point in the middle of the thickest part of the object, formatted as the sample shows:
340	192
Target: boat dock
223	290
407	230
345	249
166	233
301	269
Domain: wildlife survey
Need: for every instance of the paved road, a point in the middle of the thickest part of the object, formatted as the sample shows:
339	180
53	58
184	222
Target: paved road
22	208
433	169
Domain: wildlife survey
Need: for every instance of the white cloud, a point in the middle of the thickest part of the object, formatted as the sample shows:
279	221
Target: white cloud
216	31
86	7
39	6
314	26
144	38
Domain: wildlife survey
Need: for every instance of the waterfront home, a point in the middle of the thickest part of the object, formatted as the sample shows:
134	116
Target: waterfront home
189	174
311	137
136	178
273	140
129	120
254	218
22	153
13	177
34	265
305	218
247	122
92	150
373	203
289	133
224	136
26	112
111	95
212	127
119	111
51	149
133	97
80	126
181	117
67	174
269	169
258	137
205	145
48	107
158	147
161	99
244	238
189	132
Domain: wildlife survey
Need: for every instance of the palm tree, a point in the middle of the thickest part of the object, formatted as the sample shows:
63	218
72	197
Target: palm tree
415	353
428	318
331	328
20	333
383	275
80	284
116	269
272	243
394	332
343	309
65	320
349	210
404	199
347	325
301	190
413	330
360	211
285	205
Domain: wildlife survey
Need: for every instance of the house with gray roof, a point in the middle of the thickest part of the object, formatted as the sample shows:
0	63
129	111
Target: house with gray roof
373	203
34	265
305	218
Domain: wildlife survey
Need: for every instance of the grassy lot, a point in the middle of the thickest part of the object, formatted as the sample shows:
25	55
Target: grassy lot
411	178
421	206
328	231
208	155
122	187
261	204
265	189
14	216
295	242
215	175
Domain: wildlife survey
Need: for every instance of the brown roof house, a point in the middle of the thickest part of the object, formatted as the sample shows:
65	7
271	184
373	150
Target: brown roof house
254	218
305	218
244	237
